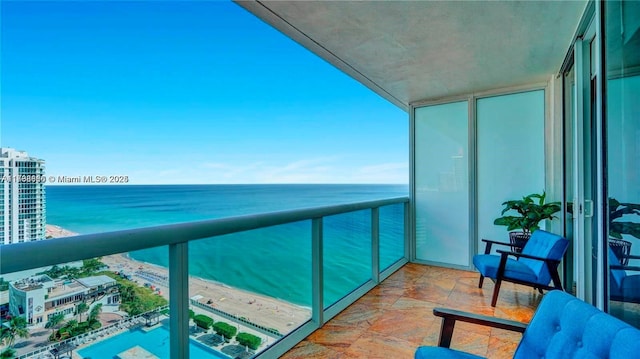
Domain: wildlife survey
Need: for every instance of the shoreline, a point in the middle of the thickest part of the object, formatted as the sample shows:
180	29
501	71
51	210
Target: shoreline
257	308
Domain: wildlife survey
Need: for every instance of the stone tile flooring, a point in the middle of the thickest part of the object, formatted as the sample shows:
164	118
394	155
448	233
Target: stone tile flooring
396	317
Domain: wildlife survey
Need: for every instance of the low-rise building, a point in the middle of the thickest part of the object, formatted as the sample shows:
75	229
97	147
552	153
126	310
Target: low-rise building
39	297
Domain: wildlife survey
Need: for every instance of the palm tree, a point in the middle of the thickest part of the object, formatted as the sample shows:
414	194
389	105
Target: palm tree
17	329
81	308
95	312
127	293
72	324
72	272
54	321
91	266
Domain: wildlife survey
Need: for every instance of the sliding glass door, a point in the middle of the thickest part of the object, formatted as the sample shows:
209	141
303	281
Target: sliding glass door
585	163
622	53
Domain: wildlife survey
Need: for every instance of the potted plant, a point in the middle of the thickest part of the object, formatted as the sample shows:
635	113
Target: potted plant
531	210
617	209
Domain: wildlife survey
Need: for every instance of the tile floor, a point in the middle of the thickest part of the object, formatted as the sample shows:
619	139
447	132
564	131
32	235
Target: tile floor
396	317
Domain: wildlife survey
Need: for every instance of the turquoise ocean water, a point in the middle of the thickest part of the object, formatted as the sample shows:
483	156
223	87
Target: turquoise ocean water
275	261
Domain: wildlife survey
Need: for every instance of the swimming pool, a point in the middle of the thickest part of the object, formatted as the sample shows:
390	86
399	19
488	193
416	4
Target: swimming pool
155	341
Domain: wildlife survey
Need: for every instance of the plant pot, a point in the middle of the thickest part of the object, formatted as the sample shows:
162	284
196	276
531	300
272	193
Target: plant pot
518	240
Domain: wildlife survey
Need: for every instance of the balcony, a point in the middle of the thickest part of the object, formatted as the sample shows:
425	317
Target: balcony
378	242
385	319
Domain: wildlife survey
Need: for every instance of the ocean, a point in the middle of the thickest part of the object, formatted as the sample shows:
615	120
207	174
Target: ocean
274	261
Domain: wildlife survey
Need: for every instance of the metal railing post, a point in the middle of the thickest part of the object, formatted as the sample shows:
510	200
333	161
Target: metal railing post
317	301
375	244
409	248
179	300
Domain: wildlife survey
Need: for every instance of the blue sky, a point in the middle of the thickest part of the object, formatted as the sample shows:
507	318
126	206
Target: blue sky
186	92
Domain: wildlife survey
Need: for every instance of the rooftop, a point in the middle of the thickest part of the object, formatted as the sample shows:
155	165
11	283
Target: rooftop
32	283
96	281
66	288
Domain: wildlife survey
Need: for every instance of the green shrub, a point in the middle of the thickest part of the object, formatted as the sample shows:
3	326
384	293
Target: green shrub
249	340
4	285
8	353
137	300
192	314
203	321
225	329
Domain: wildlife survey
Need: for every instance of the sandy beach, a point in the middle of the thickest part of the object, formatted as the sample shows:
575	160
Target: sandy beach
53	231
258	309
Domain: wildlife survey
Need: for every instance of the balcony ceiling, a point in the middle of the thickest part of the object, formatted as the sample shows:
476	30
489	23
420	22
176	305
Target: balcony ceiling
420	50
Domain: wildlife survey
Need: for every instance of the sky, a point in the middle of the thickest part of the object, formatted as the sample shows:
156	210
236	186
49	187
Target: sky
186	93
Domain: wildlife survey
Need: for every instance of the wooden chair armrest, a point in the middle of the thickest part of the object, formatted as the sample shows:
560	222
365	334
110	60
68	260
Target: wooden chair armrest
490	242
522	255
450	316
498	242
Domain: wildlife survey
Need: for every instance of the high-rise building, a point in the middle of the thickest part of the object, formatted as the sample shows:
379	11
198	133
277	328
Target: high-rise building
22	197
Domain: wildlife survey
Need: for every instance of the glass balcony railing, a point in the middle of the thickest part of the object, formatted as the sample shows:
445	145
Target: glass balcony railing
211	292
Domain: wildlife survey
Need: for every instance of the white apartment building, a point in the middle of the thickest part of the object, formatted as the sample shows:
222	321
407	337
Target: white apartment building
22	197
39	297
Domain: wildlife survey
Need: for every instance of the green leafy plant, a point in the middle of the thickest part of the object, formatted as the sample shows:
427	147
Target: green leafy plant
531	210
4	285
203	321
225	329
618	228
17	328
8	354
249	340
54	321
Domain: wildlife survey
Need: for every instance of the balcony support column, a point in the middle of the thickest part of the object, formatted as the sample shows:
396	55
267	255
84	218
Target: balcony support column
179	300
317	302
409	241
375	245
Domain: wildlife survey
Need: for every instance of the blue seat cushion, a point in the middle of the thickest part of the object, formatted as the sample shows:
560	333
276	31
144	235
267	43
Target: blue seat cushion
488	264
566	327
442	353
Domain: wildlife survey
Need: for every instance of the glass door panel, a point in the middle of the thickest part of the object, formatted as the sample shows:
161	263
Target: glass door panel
510	157
442	183
569	263
622	51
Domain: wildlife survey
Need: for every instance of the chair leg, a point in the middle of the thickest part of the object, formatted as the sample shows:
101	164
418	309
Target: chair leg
499	275
496	290
481	281
446	332
556	278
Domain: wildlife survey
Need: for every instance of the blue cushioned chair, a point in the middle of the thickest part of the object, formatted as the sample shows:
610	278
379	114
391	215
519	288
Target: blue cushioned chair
536	265
562	327
623	287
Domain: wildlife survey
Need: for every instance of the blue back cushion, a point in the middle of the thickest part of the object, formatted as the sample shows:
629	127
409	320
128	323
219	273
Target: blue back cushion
546	245
566	327
617	275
